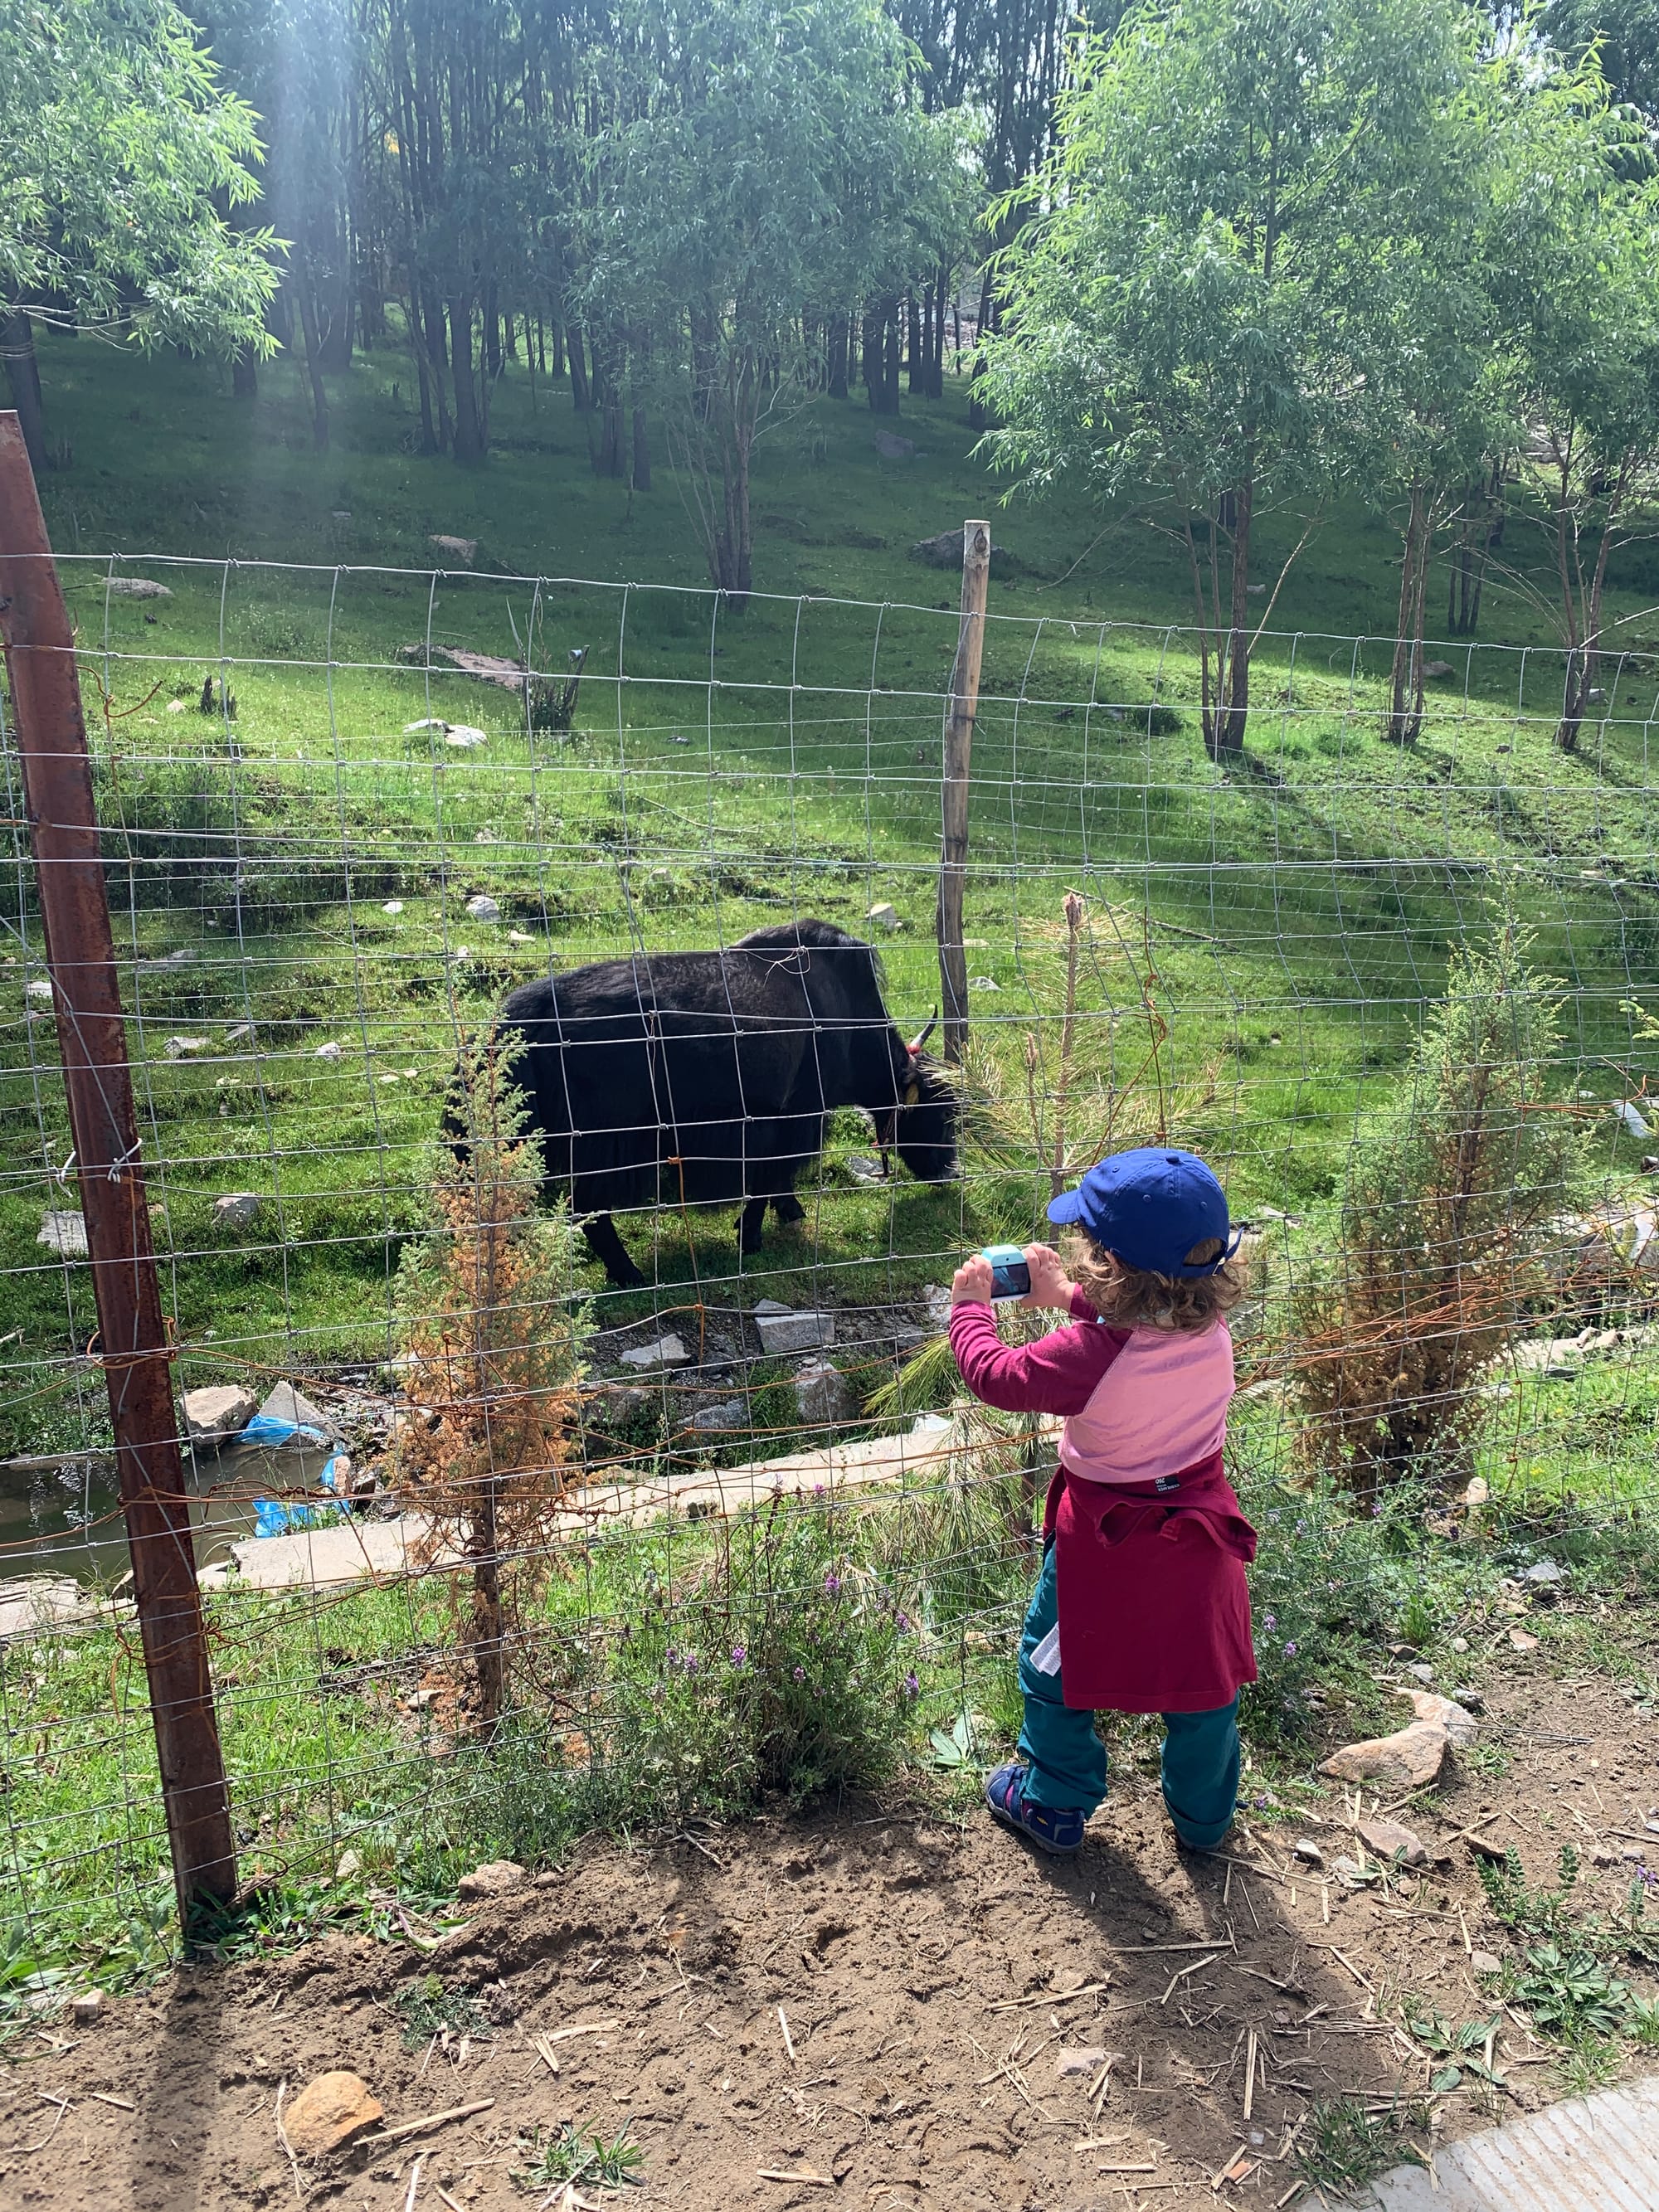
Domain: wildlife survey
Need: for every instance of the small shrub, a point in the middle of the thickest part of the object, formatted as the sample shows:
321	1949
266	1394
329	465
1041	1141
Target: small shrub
1345	2147
1442	1201
566	2155
428	2008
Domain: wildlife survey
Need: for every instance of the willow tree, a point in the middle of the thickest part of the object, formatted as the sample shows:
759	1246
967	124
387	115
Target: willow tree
121	157
1192	311
761	174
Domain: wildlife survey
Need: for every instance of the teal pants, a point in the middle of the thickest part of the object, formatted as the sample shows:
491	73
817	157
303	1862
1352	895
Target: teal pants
1066	1761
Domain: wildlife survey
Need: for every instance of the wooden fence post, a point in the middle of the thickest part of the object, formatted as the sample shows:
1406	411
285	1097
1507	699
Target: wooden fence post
52	742
960	709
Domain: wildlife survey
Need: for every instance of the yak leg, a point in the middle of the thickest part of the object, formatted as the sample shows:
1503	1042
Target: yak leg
750	1225
789	1207
608	1248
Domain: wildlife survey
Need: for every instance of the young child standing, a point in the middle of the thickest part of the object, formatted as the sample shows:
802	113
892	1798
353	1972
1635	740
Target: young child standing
1142	1606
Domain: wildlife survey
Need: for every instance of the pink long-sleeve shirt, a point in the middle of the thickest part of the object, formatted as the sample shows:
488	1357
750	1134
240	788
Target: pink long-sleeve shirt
1058	1373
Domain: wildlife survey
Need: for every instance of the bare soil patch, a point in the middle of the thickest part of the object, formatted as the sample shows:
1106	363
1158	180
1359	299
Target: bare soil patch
940	1986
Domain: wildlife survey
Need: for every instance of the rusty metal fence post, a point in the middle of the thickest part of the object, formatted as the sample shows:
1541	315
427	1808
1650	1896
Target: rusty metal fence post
56	771
960	709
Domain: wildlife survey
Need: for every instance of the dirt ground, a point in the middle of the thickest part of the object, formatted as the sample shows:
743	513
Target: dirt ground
866	2005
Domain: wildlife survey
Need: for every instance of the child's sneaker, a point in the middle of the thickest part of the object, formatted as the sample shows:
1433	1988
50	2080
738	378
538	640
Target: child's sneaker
1049	1828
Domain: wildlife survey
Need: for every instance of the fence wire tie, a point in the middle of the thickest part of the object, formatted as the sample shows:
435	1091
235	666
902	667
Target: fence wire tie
119	1167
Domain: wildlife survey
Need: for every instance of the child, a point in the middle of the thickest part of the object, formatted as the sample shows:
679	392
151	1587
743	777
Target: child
1142	1606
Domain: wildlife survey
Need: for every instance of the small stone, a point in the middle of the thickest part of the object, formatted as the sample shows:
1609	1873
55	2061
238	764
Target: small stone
1432	668
86	2007
463	735
661	1351
457	549
823	1396
519	937
426	722
221	1410
786	1332
1458	1722
495	1879
729	1414
329	2112
1545	1572
983	983
41	987
348	1867
135	587
237	1208
294	1410
1423	1671
892	448
179	1047
1078	2059
393	906
328	1051
483	908
1387	1839
1521	1640
862	1169
65	1234
241	1034
1411	1757
1483	1962
1459	1644
1308	1851
884	915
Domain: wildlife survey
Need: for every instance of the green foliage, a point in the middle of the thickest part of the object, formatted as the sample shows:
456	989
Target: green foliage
1443	1196
1572	1994
1526	1911
428	2007
1343	2145
119	154
567	2154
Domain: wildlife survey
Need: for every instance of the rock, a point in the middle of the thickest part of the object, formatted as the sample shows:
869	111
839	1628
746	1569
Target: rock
1520	1640
1422	1670
222	1410
39	987
237	1208
519	937
1078	2059
983	983
891	447
862	1169
1483	1962
616	1403
350	1867
944	551
1410	1757
823	1396
1459	1644
1631	1115
328	1051
936	1302
495	1879
181	958
292	1409
65	1234
135	587
328	2112
1308	1851
1385	1839
1460	1725
883	916
181	1048
86	2007
729	1414
465	735
433	722
241	1034
1434	668
781	1330
1545	1571
459	548
34	1605
393	906
483	907
661	1351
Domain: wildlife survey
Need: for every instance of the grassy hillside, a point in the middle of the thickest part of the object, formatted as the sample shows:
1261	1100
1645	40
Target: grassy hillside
1286	916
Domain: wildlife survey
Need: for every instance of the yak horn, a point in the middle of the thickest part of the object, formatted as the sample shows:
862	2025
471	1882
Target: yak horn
915	1047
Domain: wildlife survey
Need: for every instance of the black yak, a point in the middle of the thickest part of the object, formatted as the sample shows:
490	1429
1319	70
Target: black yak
704	1078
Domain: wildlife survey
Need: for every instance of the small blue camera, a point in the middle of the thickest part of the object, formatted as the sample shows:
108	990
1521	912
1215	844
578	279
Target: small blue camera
1010	1276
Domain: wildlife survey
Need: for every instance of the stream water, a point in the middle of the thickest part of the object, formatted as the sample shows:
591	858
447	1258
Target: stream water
68	1521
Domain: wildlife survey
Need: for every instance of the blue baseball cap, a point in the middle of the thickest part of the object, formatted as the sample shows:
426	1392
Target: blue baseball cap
1149	1207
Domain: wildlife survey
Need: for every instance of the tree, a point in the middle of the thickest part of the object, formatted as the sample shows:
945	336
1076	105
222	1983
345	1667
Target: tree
763	174
1192	311
120	155
1624	35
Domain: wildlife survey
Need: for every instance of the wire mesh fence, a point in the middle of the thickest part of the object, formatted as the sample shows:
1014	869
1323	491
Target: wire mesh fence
534	1545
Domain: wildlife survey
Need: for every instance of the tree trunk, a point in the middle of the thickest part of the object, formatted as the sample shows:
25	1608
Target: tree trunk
581	394
307	306
976	415
244	374
494	356
1233	717
1404	725
487	1640
335	355
641	476
436	341
837	344
469	424
24	380
917	350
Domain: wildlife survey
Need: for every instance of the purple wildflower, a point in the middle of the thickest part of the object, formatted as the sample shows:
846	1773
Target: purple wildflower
1269	1621
1290	1651
832	1585
800	1673
912	1688
739	1655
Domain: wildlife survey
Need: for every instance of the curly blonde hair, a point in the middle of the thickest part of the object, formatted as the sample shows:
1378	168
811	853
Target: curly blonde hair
1135	1297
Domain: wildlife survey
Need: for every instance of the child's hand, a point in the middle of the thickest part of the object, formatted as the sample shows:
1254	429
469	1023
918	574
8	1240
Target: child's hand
1051	1287
973	1282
